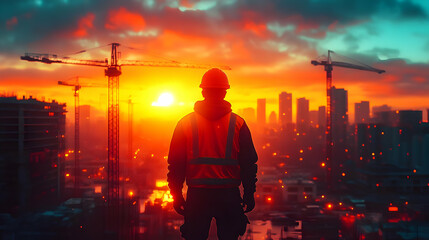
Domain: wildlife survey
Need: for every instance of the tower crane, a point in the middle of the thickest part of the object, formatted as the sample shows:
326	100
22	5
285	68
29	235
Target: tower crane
328	65
76	87
112	71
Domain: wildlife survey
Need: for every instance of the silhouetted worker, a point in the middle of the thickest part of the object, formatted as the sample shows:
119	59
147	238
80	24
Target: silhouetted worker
213	150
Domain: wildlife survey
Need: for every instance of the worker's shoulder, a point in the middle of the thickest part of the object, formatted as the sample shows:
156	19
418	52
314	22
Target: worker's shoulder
186	118
239	118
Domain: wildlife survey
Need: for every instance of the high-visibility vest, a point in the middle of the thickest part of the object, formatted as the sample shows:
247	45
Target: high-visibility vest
212	151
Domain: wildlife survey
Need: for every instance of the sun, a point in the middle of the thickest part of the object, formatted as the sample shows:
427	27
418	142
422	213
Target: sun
164	100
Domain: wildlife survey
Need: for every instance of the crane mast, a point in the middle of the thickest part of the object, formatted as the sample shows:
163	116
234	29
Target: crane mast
328	65
76	88
113	72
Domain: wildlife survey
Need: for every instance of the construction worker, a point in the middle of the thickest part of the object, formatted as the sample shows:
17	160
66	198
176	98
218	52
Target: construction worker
212	149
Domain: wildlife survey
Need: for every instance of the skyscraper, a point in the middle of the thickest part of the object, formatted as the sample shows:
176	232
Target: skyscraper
31	153
382	108
272	119
285	108
261	111
362	112
302	115
314	118
340	119
322	117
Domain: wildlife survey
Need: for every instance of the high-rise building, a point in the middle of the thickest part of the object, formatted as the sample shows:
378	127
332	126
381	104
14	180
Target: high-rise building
314	118
322	117
427	115
261	116
340	151
362	112
285	108
302	115
382	108
410	118
31	153
272	119
340	117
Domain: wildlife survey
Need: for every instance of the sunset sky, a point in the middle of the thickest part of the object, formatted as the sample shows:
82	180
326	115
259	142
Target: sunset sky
268	44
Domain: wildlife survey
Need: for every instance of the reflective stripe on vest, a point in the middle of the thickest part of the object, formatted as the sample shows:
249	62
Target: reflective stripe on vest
213	171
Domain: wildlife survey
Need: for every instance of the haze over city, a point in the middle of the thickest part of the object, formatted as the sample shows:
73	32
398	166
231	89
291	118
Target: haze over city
266	48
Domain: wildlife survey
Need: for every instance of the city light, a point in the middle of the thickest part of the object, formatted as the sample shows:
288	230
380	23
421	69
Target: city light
97	189
393	209
161	183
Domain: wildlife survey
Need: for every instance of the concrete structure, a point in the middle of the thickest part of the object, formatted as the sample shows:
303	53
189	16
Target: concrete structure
298	191
31	154
314	118
322	117
362	112
272	119
340	121
285	108
302	115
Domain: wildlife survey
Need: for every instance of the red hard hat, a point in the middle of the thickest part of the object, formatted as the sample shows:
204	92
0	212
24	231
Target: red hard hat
214	78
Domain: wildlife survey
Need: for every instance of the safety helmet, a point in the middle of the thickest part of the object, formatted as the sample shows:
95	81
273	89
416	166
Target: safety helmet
215	78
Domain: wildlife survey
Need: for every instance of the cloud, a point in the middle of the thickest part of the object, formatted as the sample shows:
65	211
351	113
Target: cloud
84	24
124	19
11	23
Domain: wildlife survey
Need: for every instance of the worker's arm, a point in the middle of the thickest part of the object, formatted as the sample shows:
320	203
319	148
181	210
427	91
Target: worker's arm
177	162
247	158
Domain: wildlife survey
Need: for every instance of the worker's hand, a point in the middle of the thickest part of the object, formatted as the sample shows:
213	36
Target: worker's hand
248	203
179	204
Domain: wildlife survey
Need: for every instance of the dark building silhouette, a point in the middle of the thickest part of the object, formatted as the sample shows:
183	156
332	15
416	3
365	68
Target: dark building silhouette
31	154
340	117
388	118
314	118
272	119
261	116
340	120
322	117
410	118
285	108
382	108
362	112
302	115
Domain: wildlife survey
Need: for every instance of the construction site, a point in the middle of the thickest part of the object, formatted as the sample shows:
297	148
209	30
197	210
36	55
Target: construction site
95	98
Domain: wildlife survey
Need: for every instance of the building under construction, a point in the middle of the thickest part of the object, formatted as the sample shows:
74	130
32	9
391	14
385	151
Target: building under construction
31	154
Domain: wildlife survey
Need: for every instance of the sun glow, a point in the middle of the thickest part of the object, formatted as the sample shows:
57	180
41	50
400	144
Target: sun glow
164	100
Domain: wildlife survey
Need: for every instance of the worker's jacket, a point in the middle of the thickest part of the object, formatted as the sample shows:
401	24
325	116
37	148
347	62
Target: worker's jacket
212	164
212	155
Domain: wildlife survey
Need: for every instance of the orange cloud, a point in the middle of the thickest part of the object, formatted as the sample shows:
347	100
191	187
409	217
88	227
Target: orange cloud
84	24
124	19
258	29
186	3
11	23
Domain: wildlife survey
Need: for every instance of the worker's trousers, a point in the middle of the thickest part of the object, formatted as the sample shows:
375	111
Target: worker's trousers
223	204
